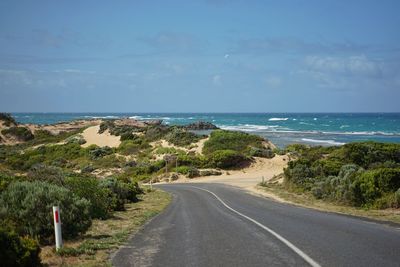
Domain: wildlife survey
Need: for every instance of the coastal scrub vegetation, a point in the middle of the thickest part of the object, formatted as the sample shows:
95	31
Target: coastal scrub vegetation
240	142
7	119
93	183
20	133
363	174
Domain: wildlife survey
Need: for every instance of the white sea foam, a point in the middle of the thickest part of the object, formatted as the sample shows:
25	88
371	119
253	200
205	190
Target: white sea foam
278	119
329	142
136	117
279	129
249	127
102	117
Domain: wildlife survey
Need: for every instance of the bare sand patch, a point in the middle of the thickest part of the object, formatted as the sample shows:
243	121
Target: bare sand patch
248	178
92	137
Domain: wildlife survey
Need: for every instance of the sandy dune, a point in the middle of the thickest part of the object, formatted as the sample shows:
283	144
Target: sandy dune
92	137
247	178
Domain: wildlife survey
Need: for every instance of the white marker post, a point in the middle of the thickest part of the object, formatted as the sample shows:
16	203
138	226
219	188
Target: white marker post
57	227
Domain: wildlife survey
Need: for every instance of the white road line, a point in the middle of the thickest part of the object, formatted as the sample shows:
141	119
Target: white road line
278	236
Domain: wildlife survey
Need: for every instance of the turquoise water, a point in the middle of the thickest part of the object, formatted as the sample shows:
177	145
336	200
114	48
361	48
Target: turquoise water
280	128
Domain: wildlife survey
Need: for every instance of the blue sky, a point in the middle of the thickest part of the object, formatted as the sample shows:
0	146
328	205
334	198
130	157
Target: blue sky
200	56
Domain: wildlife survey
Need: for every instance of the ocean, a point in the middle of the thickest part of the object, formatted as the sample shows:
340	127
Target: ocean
281	128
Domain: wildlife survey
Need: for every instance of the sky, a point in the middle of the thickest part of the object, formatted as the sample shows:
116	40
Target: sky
200	56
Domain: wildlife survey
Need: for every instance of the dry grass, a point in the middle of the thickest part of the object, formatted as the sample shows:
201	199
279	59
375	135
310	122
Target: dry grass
105	236
307	200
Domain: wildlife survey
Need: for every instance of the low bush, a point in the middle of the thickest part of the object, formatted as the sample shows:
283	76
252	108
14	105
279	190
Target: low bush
230	140
18	251
157	132
127	136
76	139
43	134
142	171
193	160
42	172
182	169
121	192
108	124
131	147
261	152
20	133
181	137
227	159
6	179
373	184
120	130
57	155
192	172
109	161
360	174
30	204
7	119
96	152
188	171
169	150
89	188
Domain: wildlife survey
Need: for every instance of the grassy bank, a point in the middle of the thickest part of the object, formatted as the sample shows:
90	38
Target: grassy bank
306	199
104	236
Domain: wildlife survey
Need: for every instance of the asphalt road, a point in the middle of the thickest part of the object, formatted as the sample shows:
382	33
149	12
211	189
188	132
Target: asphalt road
225	226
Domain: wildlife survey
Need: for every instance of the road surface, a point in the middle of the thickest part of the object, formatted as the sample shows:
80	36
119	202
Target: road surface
220	225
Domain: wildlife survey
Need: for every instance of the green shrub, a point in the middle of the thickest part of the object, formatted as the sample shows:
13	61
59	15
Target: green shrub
373	184
120	130
193	160
181	137
42	172
182	169
108	124
261	152
89	188
229	140
326	167
131	147
121	192
7	119
43	134
227	159
5	180
192	172
361	174
57	155
142	170
20	133
157	132
366	153
110	161
18	251
30	204
169	150
298	173
76	139
99	152
127	136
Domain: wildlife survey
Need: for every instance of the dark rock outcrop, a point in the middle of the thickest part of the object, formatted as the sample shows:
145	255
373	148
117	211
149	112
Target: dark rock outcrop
201	125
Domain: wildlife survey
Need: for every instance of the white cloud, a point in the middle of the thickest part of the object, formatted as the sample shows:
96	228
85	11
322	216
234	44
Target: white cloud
352	65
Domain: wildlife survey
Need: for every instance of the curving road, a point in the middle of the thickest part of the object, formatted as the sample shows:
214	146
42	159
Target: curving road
220	225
